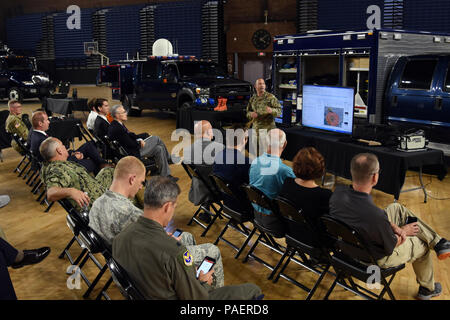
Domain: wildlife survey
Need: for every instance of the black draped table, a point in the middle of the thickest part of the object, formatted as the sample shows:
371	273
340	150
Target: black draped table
65	129
188	115
393	163
66	106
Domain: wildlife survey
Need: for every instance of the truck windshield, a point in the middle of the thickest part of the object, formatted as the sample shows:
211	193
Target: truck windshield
200	69
109	74
19	64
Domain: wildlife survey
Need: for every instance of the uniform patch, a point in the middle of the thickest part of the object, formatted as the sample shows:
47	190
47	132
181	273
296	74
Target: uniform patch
187	258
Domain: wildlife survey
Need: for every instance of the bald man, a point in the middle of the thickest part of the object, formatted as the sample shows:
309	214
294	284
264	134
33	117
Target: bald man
67	179
201	153
267	173
113	212
263	107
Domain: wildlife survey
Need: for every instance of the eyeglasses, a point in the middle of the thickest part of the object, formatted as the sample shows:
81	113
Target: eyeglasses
144	183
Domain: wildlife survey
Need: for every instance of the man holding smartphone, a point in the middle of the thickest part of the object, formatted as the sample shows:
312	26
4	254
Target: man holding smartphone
114	210
395	235
161	267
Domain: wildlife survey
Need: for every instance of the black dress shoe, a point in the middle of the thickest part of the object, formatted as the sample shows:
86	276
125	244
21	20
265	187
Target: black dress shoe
32	257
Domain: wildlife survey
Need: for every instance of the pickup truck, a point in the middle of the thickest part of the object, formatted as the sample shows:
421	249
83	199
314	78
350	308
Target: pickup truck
170	83
20	79
418	94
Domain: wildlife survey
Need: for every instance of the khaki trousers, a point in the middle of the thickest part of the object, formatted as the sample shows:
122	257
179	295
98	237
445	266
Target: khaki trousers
415	249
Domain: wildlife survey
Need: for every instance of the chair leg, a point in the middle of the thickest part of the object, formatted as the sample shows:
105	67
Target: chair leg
63	253
245	243
316	285
253	248
280	262
24	168
105	287
284	267
332	287
49	206
96	280
222	233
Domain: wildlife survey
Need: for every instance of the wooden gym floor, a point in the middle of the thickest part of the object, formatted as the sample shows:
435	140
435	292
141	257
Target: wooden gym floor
27	226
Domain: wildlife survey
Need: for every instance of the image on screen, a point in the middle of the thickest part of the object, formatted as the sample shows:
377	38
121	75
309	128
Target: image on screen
328	108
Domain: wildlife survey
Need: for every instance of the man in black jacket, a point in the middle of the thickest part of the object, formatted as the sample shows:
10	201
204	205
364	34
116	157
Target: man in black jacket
87	155
135	145
101	123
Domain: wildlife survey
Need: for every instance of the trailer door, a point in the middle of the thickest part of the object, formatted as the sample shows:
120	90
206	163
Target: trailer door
413	96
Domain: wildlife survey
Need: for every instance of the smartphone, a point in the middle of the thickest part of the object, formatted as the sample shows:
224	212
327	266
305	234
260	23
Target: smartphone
206	265
411	220
177	233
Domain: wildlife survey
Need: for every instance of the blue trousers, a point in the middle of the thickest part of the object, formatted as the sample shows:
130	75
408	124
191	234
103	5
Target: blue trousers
8	255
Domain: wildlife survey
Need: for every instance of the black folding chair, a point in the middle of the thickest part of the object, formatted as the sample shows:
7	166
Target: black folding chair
90	242
123	282
26	160
212	200
120	152
236	219
352	258
318	261
266	234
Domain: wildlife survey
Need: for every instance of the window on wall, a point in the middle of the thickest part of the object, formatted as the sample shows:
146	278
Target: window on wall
418	74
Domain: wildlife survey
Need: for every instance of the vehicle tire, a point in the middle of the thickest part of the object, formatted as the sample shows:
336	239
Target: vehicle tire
186	104
15	94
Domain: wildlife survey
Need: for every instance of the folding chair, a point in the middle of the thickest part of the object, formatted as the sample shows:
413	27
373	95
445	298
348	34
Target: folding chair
26	157
211	202
296	220
236	219
90	242
123	282
352	258
266	234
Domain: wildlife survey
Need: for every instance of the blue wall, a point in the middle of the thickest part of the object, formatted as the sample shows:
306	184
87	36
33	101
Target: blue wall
345	15
123	31
69	42
180	23
427	15
24	32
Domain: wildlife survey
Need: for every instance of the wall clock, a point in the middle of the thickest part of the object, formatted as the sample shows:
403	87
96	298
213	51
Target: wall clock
261	39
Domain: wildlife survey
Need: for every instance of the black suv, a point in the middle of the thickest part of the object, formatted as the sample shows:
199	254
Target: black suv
19	78
171	83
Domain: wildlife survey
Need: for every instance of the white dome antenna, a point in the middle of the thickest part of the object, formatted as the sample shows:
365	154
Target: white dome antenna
162	47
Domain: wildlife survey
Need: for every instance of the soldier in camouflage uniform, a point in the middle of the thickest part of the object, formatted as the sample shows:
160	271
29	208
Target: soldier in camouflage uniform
113	211
262	109
15	124
67	179
161	267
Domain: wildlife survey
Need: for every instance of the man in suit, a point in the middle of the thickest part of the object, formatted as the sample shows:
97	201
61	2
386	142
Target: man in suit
135	145
101	123
87	155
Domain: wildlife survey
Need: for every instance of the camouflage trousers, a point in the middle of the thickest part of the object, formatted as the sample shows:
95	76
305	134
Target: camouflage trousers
200	251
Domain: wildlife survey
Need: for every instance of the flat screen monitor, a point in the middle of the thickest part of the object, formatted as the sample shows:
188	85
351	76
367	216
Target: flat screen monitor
328	108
